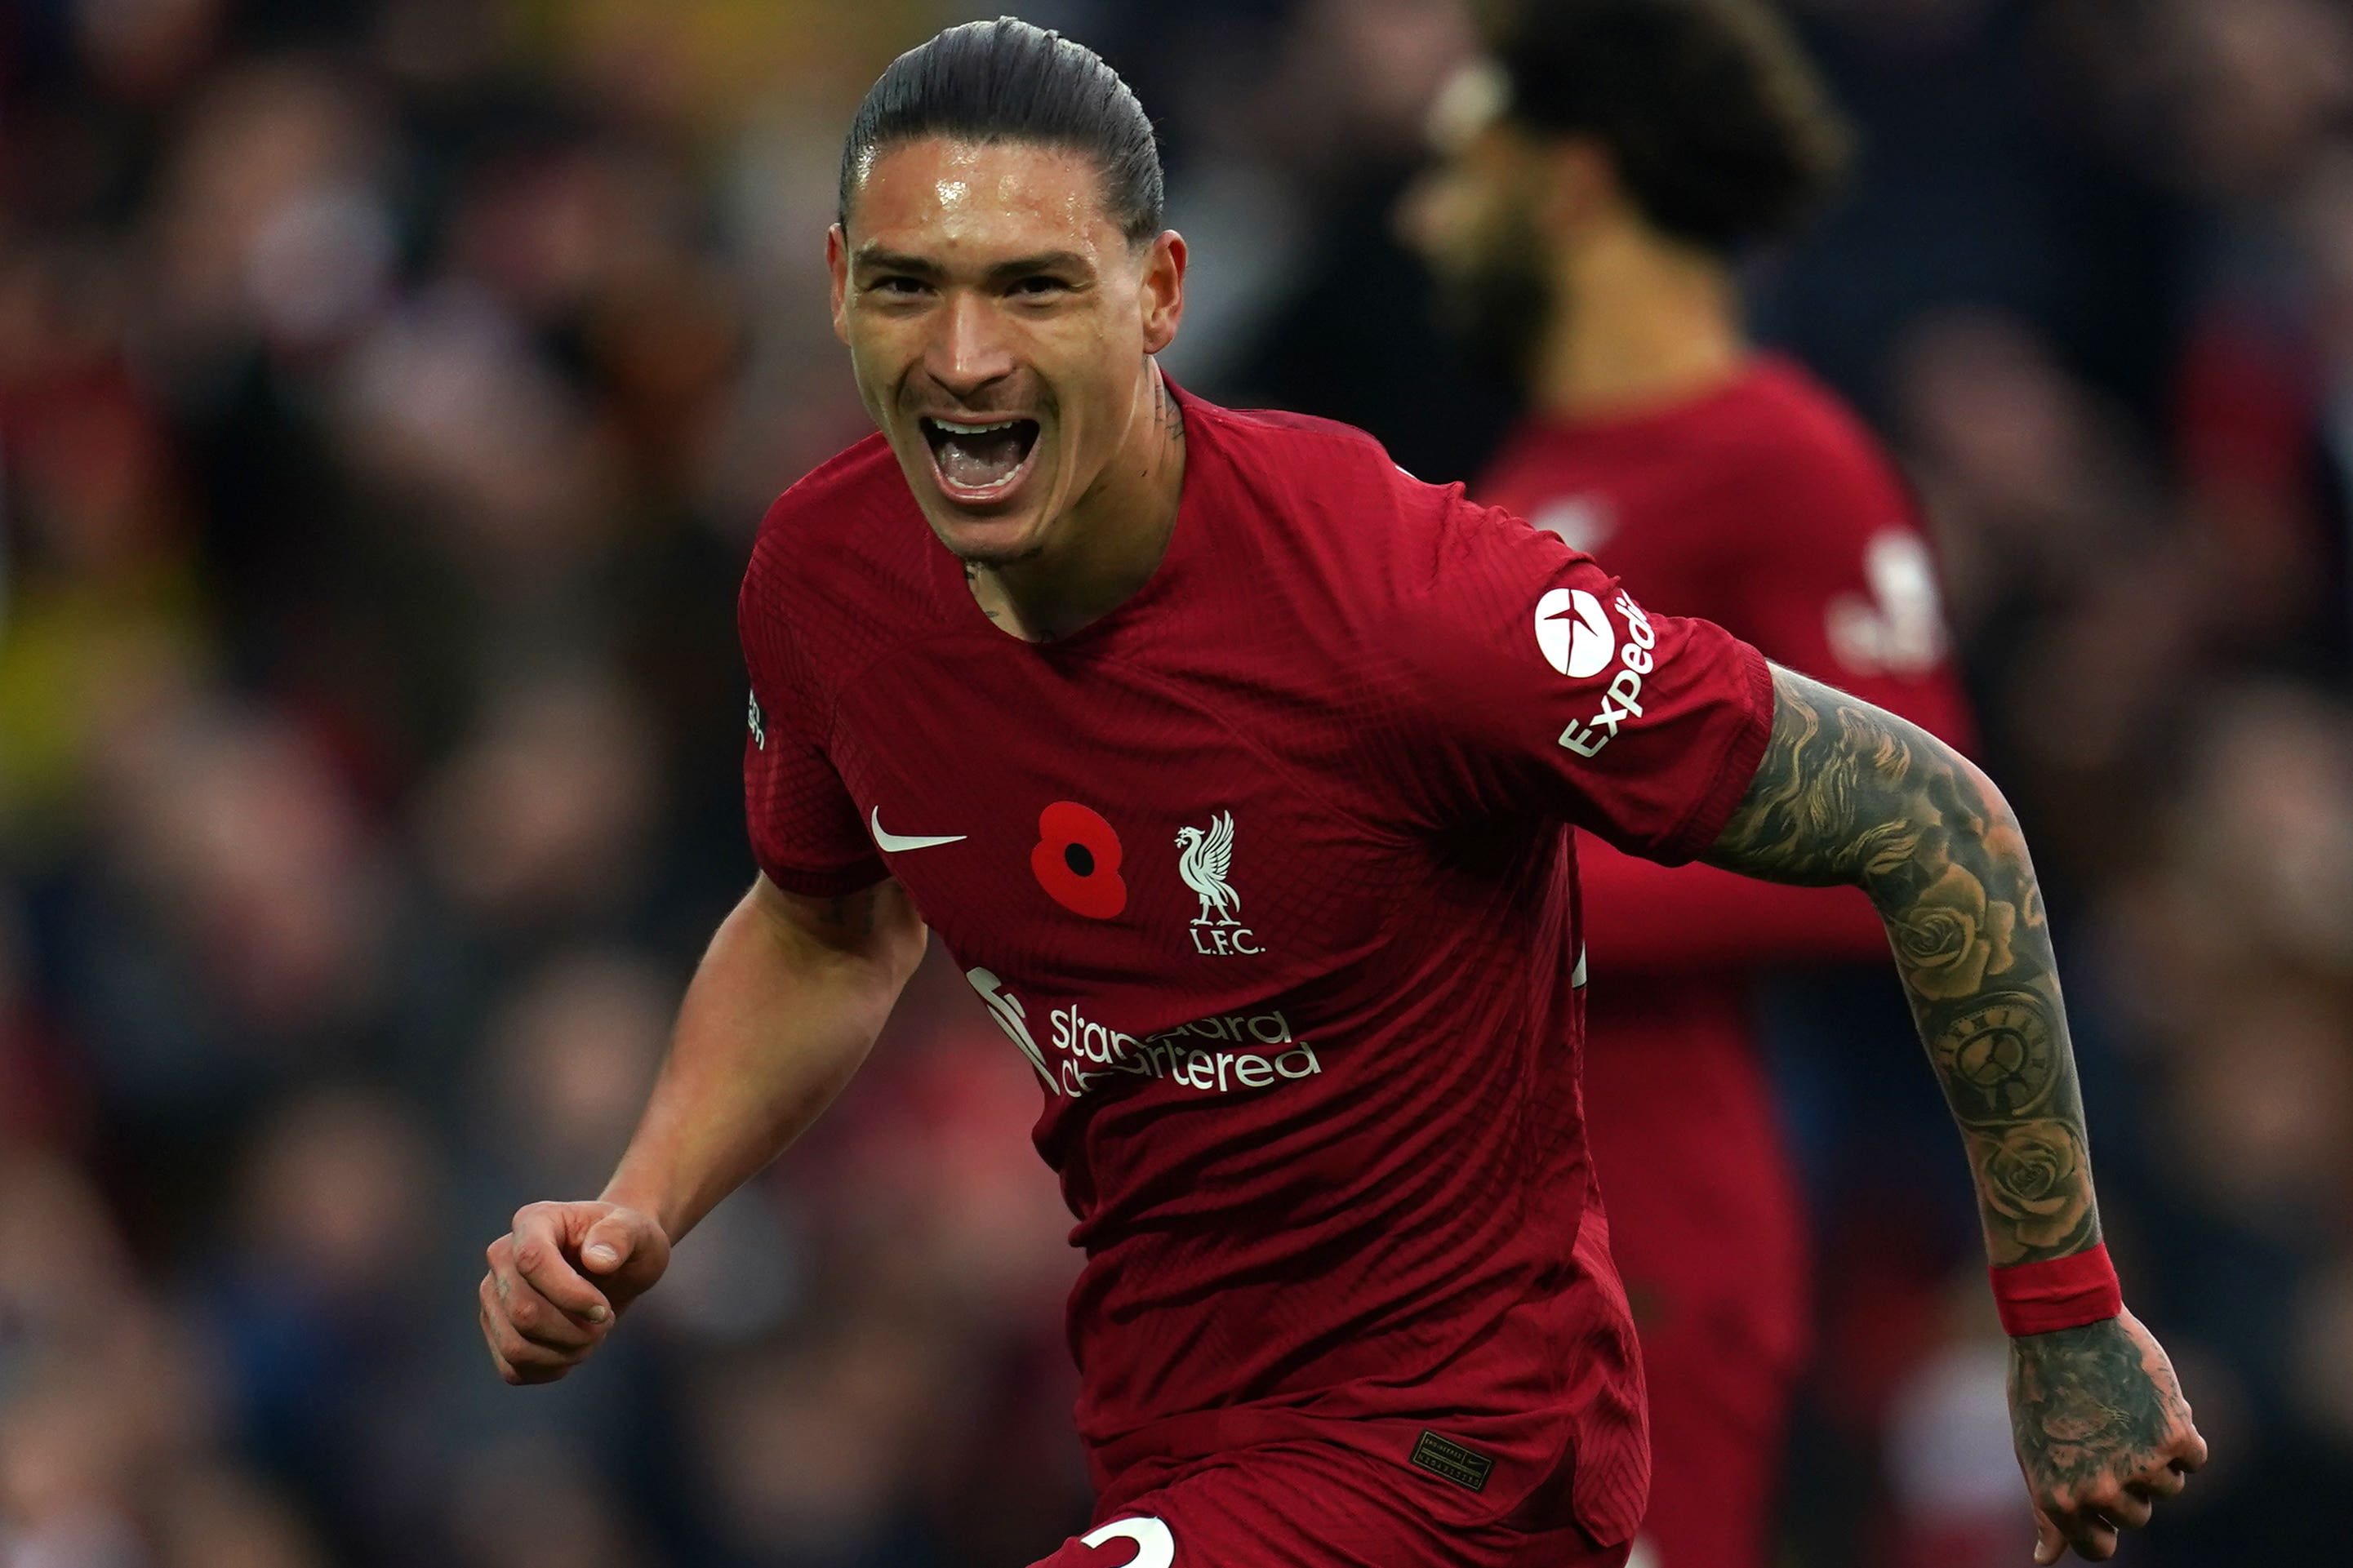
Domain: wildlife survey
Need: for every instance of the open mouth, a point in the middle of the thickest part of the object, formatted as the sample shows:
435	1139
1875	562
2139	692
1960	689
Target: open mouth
980	462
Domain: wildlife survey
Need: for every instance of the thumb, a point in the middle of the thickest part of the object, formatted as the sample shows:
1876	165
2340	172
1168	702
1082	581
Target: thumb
2049	1544
607	1245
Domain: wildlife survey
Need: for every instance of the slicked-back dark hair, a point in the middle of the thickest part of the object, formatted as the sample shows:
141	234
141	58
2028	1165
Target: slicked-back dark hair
1008	81
1721	129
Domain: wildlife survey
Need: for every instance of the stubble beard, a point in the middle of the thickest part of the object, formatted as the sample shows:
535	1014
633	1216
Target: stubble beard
1499	312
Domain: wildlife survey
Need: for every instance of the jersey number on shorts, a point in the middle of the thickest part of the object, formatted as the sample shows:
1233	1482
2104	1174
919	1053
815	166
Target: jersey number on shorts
1155	1547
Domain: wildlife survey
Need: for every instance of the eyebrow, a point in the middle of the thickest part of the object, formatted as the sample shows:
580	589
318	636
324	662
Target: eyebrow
873	258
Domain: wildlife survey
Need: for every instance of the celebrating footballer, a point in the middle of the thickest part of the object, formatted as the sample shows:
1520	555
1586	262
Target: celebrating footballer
1237	770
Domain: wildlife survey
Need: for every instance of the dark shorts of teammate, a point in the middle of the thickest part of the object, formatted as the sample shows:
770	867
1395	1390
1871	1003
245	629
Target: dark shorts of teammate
1315	1505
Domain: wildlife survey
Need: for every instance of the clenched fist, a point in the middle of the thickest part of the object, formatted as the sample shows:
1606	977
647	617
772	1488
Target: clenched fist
2102	1433
558	1282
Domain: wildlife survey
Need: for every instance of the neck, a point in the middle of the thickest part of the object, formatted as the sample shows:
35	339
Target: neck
1641	323
1109	545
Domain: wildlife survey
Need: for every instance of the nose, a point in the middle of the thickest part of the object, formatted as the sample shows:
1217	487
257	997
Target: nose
967	351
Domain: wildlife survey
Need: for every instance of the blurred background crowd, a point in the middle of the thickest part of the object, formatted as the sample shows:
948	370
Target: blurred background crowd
388	392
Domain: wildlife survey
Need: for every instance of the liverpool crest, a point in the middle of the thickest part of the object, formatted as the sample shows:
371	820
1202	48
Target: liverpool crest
1206	863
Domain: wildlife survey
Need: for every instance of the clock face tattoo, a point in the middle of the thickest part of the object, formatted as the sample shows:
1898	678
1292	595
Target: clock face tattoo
1997	1056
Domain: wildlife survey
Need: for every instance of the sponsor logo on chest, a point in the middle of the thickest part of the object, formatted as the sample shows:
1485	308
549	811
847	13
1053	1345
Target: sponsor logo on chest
1210	1056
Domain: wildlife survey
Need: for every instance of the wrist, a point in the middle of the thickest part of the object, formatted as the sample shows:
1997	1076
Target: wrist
622	1192
2057	1293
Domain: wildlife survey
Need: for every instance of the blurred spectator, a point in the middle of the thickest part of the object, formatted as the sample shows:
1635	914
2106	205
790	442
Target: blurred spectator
539	1505
217	1517
321	1312
546	816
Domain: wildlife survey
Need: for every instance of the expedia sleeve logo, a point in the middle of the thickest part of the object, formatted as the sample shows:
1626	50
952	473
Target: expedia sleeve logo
1575	635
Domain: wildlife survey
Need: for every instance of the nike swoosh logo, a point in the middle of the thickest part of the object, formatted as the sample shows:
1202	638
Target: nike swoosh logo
892	843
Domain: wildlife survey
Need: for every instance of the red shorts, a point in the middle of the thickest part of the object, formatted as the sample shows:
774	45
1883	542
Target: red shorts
1310	1505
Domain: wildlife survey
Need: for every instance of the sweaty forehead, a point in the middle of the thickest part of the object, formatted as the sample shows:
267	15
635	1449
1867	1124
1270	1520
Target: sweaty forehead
952	199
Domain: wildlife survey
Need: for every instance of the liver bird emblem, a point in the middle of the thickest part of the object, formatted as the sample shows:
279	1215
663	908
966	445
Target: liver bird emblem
1203	866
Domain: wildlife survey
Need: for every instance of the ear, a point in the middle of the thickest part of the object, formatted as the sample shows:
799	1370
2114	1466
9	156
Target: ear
837	266
1581	187
1162	296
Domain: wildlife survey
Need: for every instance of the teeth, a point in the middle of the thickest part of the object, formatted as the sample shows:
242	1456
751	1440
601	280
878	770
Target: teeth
954	429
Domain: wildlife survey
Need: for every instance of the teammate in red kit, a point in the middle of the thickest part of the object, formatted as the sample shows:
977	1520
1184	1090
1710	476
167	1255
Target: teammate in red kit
1600	171
1233	765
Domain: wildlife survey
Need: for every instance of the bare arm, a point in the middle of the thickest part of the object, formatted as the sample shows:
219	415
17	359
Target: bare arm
782	1010
1849	792
785	1006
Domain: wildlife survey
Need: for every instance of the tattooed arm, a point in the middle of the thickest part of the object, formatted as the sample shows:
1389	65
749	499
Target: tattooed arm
1850	794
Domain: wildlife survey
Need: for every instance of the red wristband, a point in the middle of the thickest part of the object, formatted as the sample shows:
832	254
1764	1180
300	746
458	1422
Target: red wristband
2057	1293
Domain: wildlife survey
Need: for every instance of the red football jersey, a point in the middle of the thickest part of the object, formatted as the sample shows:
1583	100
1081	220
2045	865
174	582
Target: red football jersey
1266	875
1767	507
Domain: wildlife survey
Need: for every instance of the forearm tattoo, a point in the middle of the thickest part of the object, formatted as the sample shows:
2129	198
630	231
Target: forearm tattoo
1849	792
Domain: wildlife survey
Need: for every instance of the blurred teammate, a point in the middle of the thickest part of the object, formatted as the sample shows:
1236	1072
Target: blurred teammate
1599	174
1233	764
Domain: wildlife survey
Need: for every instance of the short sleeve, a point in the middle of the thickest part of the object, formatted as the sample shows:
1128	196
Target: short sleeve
1545	689
804	825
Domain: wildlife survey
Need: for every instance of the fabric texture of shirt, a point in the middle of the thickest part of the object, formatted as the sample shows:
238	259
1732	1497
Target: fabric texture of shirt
1267	874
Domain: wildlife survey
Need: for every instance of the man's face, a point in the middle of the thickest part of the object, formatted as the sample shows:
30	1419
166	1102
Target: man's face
1473	215
998	321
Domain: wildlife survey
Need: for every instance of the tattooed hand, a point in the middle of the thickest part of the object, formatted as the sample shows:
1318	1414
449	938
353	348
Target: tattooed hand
1848	793
2102	1432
